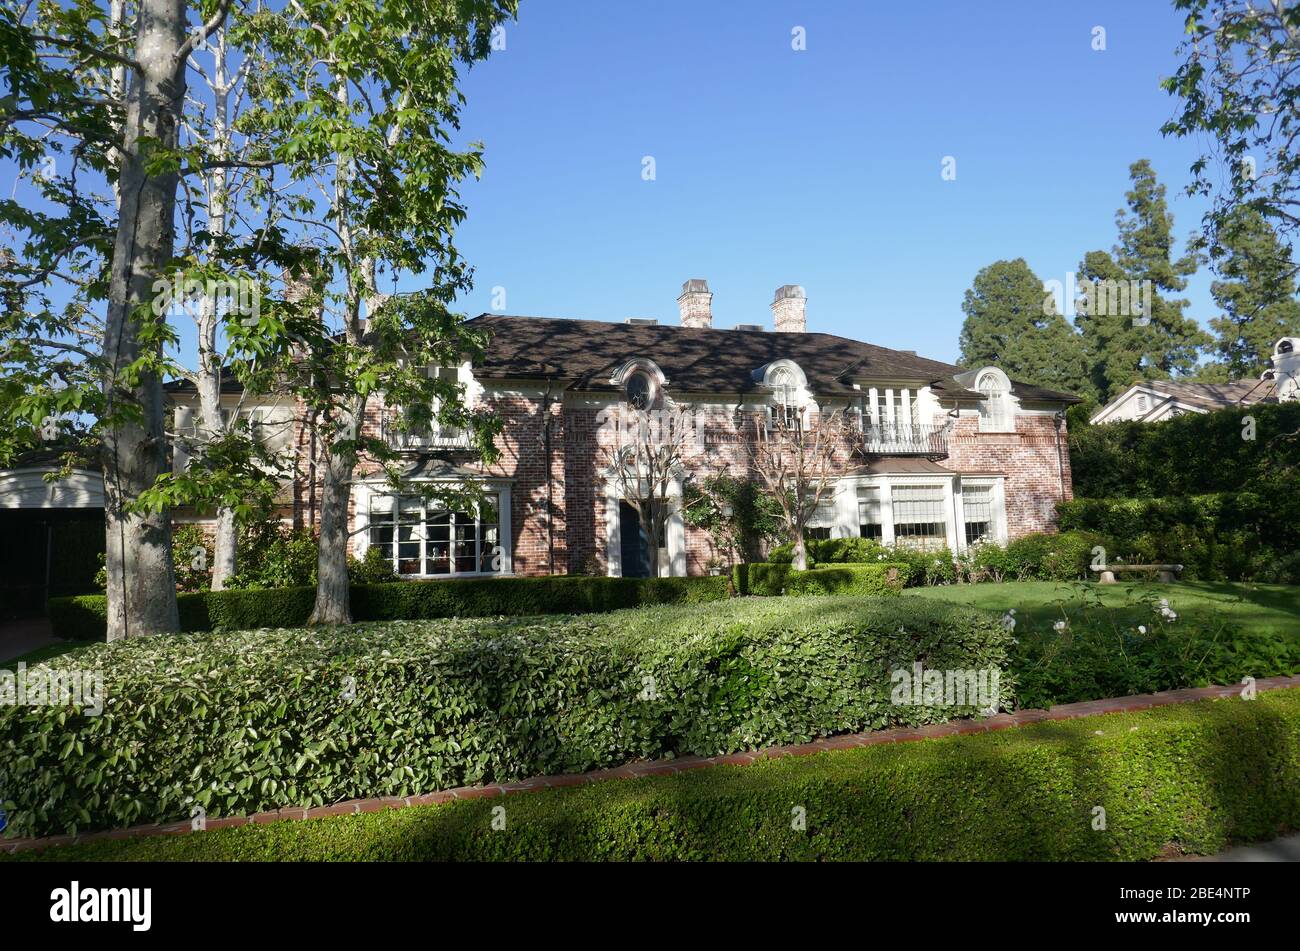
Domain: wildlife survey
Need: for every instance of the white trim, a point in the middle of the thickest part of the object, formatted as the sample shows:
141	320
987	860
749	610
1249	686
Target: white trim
846	523
363	491
675	532
26	488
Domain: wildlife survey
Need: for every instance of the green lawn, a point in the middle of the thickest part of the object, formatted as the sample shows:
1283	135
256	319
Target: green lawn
47	652
1252	607
1189	777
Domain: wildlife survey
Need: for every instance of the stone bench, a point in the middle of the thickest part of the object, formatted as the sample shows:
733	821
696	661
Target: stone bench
1166	574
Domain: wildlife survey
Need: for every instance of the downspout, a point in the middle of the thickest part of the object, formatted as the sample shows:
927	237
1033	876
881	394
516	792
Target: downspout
550	497
1057	420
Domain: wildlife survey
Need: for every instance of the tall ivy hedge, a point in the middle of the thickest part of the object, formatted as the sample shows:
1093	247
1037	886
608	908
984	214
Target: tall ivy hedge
1195	454
1217	492
240	722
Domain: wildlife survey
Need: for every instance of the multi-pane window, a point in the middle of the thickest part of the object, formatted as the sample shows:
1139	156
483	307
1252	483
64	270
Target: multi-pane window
977	512
785	400
995	406
919	520
822	520
869	523
424	539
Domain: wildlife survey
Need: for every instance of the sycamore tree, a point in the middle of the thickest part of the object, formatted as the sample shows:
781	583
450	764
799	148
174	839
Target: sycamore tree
1131	323
794	454
355	112
91	119
1013	324
1239	96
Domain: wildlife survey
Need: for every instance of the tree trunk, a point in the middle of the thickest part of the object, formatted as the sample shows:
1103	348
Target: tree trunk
800	550
333	603
141	581
225	546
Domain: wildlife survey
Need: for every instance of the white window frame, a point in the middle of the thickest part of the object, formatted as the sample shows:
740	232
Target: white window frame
846	498
997	411
365	493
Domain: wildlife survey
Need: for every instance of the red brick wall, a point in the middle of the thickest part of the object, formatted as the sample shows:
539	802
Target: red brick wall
568	533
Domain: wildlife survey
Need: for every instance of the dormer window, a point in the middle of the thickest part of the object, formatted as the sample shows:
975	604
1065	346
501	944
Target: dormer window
996	413
639	390
785	402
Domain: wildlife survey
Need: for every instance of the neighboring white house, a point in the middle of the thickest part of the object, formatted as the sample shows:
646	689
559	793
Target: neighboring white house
1152	401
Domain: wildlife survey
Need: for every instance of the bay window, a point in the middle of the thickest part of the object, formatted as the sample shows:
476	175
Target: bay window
425	539
919	520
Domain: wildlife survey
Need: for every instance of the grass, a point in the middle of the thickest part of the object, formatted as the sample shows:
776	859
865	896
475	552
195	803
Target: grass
1186	778
1255	608
48	652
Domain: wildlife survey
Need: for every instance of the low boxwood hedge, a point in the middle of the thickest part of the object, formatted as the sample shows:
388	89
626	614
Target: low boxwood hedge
882	578
1194	776
82	618
244	721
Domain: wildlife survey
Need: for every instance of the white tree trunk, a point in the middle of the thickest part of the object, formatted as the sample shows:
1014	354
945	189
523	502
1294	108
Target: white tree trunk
141	583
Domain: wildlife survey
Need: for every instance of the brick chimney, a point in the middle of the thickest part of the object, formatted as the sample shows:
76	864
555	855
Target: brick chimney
696	303
788	309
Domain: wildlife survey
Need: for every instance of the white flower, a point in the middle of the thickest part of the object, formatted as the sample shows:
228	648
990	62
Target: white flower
1142	628
1060	626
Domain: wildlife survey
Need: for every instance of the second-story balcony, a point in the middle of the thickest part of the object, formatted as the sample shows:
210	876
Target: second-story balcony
423	440
905	439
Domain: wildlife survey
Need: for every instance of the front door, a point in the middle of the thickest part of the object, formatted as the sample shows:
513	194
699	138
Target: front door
634	543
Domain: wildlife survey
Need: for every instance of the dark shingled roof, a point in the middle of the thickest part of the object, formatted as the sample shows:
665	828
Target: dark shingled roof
697	360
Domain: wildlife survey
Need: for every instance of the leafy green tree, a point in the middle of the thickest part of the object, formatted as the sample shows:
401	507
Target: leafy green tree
1240	92
1257	294
1013	324
93	105
1131	325
356	109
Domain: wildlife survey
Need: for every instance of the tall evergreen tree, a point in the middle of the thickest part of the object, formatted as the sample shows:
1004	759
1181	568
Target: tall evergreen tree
1257	294
1012	323
1148	335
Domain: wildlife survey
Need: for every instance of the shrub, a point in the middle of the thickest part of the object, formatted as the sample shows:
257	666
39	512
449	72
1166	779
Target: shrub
83	617
252	720
770	580
274	556
1206	774
374	568
1239	536
192	554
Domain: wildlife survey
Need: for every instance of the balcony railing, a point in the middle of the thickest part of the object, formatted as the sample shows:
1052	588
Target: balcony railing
413	441
905	439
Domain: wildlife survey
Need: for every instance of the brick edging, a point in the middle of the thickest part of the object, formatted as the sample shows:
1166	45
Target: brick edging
662	767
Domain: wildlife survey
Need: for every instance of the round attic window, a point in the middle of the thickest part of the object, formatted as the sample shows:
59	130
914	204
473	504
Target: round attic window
639	390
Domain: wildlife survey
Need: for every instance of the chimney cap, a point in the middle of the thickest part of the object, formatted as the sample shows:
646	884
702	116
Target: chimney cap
786	291
696	285
641	321
750	327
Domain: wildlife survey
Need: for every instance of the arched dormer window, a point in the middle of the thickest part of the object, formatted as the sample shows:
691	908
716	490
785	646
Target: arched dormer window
997	414
788	386
642	384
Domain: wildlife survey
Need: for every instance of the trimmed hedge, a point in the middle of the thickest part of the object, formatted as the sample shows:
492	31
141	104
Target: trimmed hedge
252	720
1198	776
1226	535
84	617
885	578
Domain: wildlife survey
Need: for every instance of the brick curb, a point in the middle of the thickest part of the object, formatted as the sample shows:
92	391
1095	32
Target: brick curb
663	767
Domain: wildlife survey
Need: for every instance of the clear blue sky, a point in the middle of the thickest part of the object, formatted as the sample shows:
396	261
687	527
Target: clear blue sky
819	167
